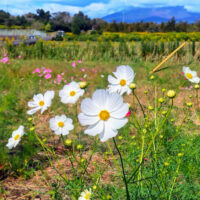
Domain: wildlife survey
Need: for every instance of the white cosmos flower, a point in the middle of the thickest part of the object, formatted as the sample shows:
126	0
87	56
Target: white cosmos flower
85	195
124	75
104	113
191	75
16	137
40	102
61	125
71	93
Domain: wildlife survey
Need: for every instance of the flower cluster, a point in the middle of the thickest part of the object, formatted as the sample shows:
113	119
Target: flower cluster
43	72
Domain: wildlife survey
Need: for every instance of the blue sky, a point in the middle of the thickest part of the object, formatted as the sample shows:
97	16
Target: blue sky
93	8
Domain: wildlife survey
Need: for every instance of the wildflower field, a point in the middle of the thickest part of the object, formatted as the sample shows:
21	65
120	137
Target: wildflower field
94	121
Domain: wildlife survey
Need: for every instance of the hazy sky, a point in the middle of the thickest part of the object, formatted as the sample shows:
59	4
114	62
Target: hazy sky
93	8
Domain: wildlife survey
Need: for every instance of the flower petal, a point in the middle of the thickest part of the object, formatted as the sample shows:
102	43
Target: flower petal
108	132
32	111
87	120
121	112
95	128
88	107
117	123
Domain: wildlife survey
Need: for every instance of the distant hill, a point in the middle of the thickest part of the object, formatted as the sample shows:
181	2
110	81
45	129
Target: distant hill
158	15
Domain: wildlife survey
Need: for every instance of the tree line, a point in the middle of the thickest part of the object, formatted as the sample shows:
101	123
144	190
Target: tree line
44	20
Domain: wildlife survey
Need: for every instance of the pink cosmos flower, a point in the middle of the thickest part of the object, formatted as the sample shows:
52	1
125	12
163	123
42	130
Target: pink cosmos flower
5	60
83	69
47	76
80	61
72	78
37	70
128	114
73	64
47	70
19	56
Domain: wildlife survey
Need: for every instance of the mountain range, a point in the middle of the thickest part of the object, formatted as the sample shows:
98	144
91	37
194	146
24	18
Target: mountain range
157	15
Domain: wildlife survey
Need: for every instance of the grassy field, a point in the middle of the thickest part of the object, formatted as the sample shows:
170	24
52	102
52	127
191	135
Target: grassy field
160	150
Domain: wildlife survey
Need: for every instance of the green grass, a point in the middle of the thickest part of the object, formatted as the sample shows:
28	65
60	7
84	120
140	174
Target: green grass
162	175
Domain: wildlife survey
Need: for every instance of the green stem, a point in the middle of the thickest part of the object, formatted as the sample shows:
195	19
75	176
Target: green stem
172	187
139	104
123	171
46	149
115	161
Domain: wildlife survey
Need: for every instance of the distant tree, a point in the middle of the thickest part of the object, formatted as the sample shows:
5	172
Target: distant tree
170	26
61	21
43	16
4	16
80	22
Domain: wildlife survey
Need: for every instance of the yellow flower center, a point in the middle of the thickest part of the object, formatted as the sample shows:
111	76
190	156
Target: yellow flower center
60	124
41	103
122	82
87	196
72	93
189	75
104	115
16	137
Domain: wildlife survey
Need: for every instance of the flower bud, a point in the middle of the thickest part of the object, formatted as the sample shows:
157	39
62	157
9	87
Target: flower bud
189	104
132	86
161	100
171	94
68	142
83	84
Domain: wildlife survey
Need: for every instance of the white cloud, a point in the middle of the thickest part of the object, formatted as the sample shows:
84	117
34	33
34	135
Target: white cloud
94	9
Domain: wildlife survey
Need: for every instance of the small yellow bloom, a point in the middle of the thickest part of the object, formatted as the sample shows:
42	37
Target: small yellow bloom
83	84
190	96
152	77
132	86
79	146
161	100
68	142
161	136
94	187
164	112
108	197
150	107
144	131
197	86
189	104
82	160
171	94
32	128
163	90
180	154
133	137
145	92
30	118
166	164
120	137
